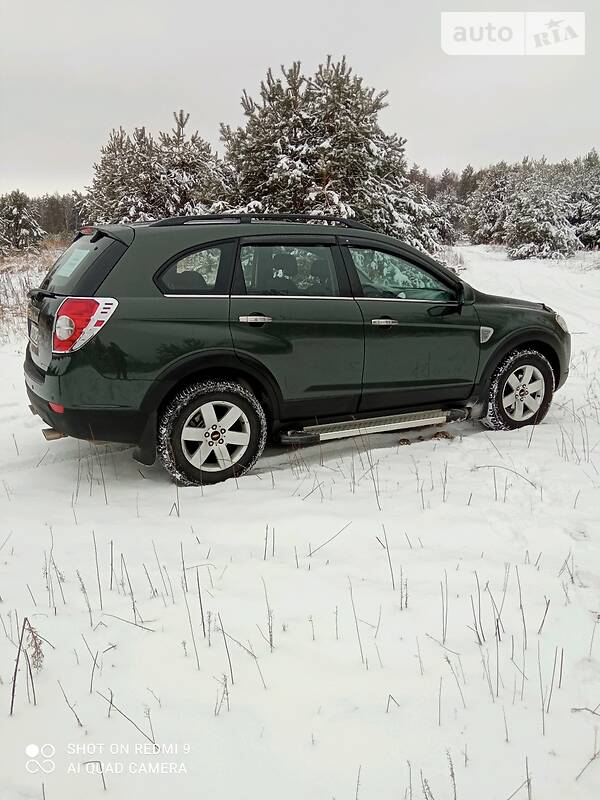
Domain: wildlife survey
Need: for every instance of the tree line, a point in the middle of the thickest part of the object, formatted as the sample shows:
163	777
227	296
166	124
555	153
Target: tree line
313	143
535	208
24	221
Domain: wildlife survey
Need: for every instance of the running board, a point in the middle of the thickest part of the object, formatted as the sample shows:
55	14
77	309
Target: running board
313	434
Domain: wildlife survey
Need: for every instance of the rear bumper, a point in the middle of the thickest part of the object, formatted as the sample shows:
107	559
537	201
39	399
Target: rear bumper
108	423
112	425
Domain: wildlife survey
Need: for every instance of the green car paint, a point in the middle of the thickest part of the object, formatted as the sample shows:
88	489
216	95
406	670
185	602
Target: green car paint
321	357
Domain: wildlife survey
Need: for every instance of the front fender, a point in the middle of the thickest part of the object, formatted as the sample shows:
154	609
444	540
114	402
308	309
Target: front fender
555	348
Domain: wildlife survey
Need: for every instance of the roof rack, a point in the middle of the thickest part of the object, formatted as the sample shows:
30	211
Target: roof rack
248	218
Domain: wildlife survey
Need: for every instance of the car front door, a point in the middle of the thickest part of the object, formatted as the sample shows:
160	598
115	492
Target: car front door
421	341
292	311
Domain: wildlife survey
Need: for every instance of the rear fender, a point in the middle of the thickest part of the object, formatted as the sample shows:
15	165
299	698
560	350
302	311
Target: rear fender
216	362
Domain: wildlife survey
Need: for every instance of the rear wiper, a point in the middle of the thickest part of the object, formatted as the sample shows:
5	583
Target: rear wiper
36	293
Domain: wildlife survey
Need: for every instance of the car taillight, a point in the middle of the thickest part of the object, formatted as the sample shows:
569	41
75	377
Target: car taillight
78	319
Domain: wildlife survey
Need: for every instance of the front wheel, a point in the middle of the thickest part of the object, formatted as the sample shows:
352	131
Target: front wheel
211	431
520	392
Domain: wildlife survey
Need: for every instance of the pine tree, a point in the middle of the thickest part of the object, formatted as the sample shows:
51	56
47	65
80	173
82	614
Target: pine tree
449	221
448	181
588	229
108	199
192	178
488	204
422	178
268	155
314	145
415	175
536	208
347	147
19	229
467	183
57	213
143	196
582	181
391	203
536	225
139	178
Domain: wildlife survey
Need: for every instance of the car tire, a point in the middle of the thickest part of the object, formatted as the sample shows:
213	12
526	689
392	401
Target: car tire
211	431
520	392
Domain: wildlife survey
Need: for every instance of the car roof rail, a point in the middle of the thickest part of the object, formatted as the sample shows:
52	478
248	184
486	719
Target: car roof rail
249	218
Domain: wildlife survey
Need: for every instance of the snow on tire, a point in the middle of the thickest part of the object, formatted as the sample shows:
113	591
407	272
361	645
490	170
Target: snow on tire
211	431
520	392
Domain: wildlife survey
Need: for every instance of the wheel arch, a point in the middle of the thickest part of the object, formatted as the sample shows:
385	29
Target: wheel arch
535	339
546	349
216	365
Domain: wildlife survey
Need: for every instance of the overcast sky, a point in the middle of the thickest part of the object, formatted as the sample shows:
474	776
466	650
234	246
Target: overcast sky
71	70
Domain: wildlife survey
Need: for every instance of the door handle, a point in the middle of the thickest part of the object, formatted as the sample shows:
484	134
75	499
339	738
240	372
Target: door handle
384	322
255	319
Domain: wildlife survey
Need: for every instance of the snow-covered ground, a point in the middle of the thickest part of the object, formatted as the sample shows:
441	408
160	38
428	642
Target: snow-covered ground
451	664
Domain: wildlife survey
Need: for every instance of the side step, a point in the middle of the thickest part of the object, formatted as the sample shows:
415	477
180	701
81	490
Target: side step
313	434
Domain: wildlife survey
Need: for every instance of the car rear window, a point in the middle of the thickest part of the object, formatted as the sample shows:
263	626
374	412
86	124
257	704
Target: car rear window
84	265
204	270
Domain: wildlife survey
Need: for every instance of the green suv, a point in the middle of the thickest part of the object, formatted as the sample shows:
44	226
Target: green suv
197	338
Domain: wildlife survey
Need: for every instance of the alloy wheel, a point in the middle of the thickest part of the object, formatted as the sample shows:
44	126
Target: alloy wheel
523	393
215	436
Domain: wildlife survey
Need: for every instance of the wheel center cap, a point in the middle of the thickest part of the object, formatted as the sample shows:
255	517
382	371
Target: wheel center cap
215	436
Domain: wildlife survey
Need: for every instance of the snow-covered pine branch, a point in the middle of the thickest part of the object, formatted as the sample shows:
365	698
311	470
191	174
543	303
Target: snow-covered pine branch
314	144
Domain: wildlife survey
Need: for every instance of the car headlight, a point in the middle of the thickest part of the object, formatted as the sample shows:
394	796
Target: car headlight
561	323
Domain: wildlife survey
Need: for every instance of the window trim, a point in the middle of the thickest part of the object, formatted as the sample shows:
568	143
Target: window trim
290	296
238	287
222	285
204	296
409	300
366	244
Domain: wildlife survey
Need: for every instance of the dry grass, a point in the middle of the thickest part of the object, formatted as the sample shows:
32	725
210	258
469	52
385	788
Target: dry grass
20	272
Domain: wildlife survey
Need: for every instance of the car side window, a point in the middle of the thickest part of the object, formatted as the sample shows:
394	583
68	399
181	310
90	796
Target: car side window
385	275
289	270
197	272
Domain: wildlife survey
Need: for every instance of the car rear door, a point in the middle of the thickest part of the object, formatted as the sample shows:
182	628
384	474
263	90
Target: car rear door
292	311
421	341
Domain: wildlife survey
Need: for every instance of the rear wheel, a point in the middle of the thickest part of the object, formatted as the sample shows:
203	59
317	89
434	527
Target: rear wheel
211	431
520	392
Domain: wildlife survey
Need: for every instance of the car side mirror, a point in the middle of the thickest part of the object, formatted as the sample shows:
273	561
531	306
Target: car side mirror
466	294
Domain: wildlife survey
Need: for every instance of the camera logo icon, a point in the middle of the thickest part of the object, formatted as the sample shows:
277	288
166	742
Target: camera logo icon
40	758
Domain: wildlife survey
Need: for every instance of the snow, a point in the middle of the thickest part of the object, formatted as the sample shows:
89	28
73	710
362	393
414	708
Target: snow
494	509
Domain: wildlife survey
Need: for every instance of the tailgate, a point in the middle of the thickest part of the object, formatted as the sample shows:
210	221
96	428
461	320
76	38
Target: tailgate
40	322
78	272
